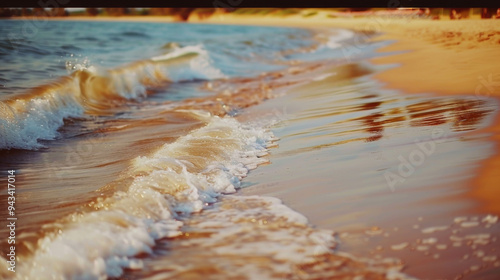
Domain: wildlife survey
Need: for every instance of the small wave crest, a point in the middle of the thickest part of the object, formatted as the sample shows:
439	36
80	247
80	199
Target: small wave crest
180	177
334	39
200	67
24	122
26	119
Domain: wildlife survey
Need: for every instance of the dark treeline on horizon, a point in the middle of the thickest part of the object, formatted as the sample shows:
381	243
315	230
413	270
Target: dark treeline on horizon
183	14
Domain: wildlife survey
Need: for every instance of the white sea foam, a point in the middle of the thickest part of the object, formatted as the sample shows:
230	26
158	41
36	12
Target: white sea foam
260	238
184	176
334	41
35	119
180	51
178	177
200	67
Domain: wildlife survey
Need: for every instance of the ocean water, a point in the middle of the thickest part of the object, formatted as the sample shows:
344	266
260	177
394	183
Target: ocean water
130	142
121	134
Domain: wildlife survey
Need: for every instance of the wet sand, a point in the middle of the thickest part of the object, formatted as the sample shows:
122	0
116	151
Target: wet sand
437	221
336	148
466	50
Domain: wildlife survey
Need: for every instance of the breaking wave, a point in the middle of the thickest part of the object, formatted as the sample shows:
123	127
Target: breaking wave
38	114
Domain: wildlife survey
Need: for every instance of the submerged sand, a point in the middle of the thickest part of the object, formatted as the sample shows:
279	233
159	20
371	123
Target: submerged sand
442	222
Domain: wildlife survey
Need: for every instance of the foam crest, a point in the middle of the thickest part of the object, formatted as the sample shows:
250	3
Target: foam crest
334	41
261	238
200	66
24	122
182	176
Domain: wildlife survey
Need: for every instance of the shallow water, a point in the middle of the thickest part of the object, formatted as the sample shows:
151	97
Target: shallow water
392	173
130	140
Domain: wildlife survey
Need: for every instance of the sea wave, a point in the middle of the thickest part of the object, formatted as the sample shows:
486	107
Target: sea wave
335	40
184	177
37	115
180	177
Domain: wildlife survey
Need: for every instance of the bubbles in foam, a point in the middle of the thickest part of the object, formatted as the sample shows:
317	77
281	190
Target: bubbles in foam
77	64
25	122
260	238
178	177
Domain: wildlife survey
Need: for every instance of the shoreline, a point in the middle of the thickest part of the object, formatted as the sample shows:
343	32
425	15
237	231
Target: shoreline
429	65
458	80
441	58
438	46
465	42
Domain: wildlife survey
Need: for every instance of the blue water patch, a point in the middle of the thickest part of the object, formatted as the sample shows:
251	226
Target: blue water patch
53	47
